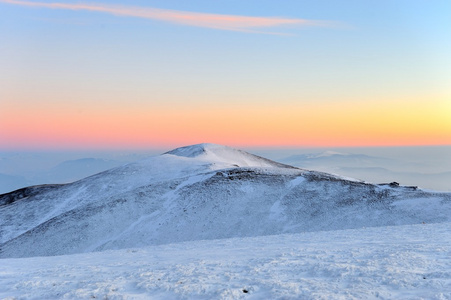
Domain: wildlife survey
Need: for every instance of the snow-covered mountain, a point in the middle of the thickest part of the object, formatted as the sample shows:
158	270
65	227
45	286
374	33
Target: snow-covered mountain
200	192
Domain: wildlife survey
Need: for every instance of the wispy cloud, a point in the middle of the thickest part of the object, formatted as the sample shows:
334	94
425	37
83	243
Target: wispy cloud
216	21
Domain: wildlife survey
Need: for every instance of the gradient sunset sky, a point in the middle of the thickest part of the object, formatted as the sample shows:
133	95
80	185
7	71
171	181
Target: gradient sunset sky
140	74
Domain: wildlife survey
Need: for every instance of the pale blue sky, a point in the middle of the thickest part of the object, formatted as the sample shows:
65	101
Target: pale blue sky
392	46
82	60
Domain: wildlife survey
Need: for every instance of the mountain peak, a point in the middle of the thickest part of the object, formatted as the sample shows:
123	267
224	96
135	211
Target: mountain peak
198	150
220	155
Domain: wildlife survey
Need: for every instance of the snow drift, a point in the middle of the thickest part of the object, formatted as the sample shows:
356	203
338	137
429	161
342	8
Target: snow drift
200	192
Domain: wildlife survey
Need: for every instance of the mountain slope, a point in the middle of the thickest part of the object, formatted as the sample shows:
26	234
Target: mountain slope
199	192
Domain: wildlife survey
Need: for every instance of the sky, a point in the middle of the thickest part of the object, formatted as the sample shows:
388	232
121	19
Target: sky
141	74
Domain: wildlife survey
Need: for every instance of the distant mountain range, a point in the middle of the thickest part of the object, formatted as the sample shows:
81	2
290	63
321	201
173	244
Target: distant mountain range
72	170
370	169
12	182
332	158
199	192
64	172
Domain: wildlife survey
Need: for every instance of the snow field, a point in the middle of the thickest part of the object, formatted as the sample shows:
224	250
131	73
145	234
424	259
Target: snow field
399	262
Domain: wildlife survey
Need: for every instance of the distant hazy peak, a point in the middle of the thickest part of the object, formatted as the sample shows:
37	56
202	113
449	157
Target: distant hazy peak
327	153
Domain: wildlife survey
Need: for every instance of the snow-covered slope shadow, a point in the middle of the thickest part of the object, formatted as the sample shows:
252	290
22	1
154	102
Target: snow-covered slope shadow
200	192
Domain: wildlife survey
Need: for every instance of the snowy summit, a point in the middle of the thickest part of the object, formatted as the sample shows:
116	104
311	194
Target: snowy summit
177	201
214	153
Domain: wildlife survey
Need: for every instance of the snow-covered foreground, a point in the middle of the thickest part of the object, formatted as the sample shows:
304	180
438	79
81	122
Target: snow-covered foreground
398	262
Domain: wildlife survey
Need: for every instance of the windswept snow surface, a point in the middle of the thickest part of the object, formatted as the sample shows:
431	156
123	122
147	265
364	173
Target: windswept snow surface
399	262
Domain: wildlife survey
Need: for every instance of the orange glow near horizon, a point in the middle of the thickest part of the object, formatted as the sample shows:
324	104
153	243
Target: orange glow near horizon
341	124
104	75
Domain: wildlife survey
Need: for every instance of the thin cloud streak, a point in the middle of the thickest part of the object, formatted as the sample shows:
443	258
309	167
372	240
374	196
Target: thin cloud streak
214	21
